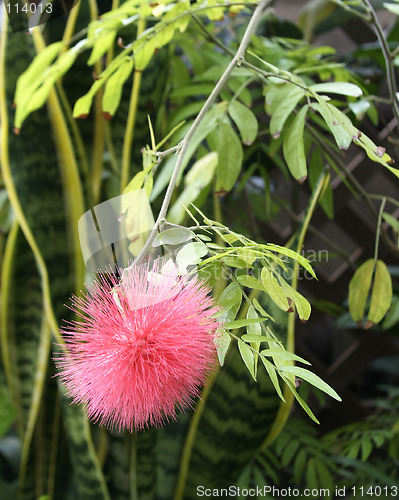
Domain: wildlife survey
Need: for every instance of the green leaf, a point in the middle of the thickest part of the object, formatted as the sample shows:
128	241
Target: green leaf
83	105
35	96
256	337
339	124
253	328
301	304
101	44
245	120
242	93
184	112
359	108
392	221
222	342
190	254
298	398
354	450
232	325
271	370
342	88
35	71
381	295
260	309
173	236
214	14
286	105
197	179
247	255
235	261
311	15
274	289
393	314
204	129
294	147
326	480
230	300
181	7
376	153
299	465
163	35
220	256
359	287
392	8
289	452
248	357
367	448
136	183
293	255
283	354
230	153
114	86
313	379
210	273
143	50
249	281
311	475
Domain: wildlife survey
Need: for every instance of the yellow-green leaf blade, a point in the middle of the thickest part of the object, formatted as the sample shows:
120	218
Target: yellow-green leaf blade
294	147
381	296
359	287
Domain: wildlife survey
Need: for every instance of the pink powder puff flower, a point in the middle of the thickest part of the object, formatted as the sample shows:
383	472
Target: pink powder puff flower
143	347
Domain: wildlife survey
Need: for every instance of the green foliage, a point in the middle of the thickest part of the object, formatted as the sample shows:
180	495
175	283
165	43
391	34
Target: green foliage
239	251
362	453
381	293
287	104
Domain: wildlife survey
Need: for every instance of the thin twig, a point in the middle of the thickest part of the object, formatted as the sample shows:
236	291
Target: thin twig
377	237
390	69
236	61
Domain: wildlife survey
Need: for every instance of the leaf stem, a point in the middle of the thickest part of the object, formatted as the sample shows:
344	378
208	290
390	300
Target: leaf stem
69	170
377	236
97	161
390	69
236	61
131	119
70	26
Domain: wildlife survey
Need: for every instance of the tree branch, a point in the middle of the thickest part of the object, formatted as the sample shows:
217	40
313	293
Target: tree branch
236	61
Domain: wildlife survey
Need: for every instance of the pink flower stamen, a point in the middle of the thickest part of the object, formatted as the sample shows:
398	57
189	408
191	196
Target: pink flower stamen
142	348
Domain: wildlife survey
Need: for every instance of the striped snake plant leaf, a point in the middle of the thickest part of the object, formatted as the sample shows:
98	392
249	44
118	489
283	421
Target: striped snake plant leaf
23	344
38	197
170	443
117	465
25	340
